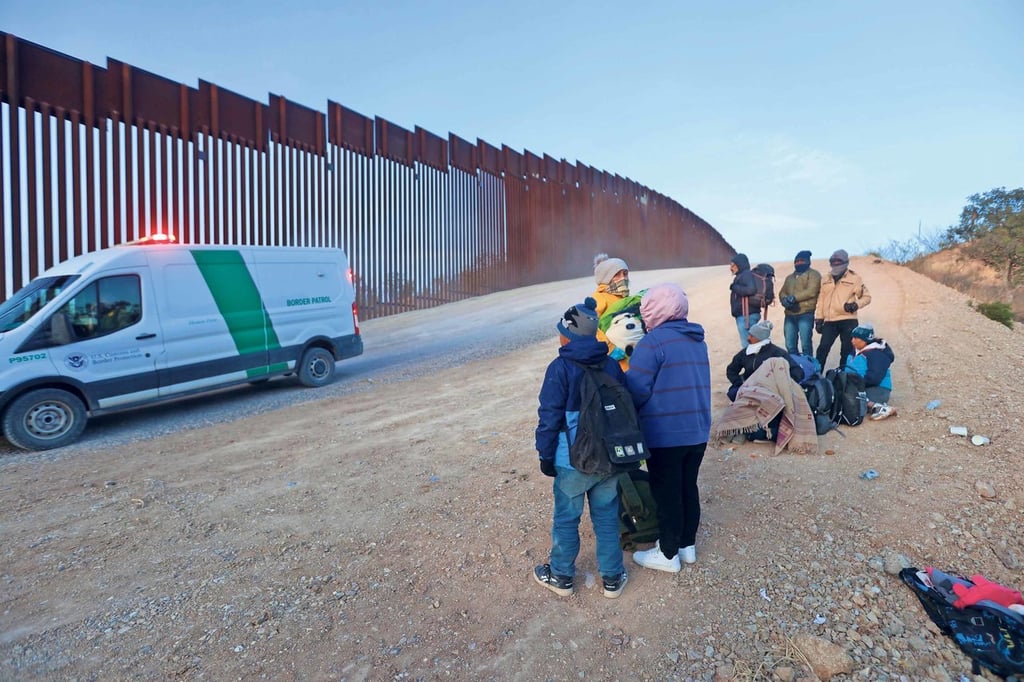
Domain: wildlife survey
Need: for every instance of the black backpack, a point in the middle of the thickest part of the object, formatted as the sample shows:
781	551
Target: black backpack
638	513
851	402
608	435
764	280
821	398
991	634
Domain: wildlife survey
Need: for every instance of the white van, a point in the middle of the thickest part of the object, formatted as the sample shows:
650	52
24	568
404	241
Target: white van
145	322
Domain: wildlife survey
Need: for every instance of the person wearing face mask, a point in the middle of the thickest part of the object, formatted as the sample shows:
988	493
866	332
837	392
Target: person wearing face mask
842	294
799	297
612	278
759	348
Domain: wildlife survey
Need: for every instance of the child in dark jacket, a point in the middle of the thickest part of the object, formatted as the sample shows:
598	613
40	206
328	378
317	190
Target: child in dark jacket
669	378
556	429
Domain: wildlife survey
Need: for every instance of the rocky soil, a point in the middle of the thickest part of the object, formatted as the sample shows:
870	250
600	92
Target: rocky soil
389	533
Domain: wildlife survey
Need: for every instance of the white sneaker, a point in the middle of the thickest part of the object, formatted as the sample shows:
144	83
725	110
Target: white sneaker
688	554
653	558
883	411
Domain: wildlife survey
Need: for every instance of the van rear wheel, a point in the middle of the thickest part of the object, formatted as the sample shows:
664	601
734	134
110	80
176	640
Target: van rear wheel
44	419
316	368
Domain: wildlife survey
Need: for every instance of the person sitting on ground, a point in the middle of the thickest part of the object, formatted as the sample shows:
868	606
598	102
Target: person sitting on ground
558	417
872	360
759	348
769	406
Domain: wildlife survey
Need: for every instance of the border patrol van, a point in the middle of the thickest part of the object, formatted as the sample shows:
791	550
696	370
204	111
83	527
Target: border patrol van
146	322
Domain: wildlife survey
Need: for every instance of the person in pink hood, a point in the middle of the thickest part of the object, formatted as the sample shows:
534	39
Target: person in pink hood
669	378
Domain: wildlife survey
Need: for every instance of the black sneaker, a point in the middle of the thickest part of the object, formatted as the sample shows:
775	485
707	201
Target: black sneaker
613	586
559	584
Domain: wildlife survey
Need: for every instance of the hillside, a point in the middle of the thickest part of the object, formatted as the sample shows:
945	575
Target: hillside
390	534
982	283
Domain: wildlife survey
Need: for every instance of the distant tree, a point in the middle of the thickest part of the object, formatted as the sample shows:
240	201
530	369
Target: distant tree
992	229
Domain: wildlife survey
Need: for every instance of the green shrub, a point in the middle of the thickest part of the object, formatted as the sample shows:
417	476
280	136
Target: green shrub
998	311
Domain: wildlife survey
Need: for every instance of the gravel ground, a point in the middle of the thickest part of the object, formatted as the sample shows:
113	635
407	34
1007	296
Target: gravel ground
384	528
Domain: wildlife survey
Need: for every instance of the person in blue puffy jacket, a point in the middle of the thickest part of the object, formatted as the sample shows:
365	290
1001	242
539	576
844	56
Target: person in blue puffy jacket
872	359
669	378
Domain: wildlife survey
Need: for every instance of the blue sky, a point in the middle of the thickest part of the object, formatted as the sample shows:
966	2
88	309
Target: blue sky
817	125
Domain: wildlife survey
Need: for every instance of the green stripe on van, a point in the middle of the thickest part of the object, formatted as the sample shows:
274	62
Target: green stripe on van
237	299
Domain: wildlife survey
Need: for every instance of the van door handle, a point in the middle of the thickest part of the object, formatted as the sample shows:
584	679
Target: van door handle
140	337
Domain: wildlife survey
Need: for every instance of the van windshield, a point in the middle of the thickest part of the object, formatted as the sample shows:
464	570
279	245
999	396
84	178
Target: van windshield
20	308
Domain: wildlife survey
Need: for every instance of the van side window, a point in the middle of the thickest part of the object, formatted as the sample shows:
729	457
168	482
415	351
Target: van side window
107	305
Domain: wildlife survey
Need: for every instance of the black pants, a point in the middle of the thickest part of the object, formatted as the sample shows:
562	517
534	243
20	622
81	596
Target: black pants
674	488
843	329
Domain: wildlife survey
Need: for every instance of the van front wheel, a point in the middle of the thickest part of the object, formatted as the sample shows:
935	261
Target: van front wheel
316	368
44	419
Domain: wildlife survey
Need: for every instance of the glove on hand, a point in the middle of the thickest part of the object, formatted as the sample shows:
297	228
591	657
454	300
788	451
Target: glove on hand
819	324
789	301
617	354
985	589
850	307
547	467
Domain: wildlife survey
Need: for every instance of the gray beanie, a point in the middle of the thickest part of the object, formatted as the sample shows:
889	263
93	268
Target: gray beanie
840	256
762	330
579	320
605	267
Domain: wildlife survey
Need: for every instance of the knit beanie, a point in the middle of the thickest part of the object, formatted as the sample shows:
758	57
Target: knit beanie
864	332
762	330
605	267
664	302
802	262
580	320
839	260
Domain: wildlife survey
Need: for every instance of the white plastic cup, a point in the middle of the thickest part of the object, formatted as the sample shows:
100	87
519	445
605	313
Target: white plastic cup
980	440
958	430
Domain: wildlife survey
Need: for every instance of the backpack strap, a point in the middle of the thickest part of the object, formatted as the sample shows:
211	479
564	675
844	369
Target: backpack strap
630	496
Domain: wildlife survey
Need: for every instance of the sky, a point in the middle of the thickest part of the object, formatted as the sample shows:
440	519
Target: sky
787	126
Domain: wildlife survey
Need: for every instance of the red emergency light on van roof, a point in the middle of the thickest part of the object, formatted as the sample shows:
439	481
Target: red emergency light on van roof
158	238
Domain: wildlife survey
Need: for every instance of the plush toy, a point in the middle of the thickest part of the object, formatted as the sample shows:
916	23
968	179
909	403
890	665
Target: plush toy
624	332
985	589
622	326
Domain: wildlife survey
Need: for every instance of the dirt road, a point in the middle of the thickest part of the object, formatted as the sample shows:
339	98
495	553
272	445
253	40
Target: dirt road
390	533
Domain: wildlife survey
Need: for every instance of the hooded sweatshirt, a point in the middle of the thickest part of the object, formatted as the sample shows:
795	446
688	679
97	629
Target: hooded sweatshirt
743	286
669	378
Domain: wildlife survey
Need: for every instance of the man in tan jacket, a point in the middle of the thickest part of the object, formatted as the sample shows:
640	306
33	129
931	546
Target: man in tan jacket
842	294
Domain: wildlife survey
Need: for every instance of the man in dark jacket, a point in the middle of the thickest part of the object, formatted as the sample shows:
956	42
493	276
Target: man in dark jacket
759	349
743	299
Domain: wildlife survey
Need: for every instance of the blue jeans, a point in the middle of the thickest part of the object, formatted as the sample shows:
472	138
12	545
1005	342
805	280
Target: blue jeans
744	328
570	487
803	325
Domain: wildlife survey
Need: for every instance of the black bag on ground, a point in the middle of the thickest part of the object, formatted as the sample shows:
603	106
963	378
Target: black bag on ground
608	435
851	402
993	636
821	400
638	513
